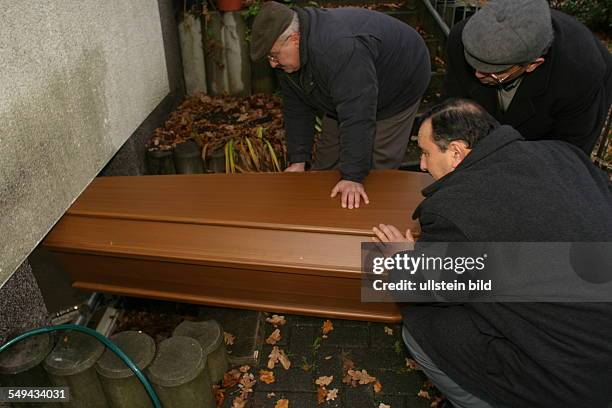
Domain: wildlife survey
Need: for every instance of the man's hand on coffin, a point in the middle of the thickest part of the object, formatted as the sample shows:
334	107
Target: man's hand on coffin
296	167
389	233
351	193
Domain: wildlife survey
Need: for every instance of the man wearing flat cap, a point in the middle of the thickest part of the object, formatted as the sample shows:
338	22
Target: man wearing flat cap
365	71
534	68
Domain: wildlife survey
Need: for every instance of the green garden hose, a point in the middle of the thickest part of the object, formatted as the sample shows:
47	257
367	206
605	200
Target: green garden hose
104	340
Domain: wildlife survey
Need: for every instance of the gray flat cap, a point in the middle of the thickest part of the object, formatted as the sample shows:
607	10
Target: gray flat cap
507	32
272	20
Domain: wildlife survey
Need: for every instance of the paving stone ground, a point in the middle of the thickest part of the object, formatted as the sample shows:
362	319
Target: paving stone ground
365	343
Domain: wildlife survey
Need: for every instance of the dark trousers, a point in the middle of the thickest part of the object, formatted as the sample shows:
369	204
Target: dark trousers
390	142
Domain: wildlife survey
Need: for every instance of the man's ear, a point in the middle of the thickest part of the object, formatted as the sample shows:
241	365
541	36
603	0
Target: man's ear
459	151
534	64
295	37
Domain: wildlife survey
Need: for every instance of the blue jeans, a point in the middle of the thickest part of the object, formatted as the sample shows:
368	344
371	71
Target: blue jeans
459	397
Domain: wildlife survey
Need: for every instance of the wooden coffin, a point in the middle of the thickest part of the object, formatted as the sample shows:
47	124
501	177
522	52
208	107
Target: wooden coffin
274	242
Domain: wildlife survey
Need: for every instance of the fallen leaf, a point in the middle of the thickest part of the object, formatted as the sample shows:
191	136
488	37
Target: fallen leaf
282	403
328	357
413	365
347	363
366	378
423	394
381	405
231	378
324	381
389	331
266	376
321	395
244	368
306	366
238	402
331	395
246	384
219	394
228	338
270	395
377	387
284	360
347	379
327	326
277	355
356	377
276	320
274	337
436	402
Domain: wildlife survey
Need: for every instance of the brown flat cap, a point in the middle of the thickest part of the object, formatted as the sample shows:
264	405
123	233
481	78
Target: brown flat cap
272	20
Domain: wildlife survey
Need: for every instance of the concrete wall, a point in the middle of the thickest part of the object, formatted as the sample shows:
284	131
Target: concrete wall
78	78
130	159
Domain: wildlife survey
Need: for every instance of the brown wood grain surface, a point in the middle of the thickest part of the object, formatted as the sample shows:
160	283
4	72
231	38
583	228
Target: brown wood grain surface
265	241
266	200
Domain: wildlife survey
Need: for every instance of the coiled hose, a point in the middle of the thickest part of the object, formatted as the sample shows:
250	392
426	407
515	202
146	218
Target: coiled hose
104	340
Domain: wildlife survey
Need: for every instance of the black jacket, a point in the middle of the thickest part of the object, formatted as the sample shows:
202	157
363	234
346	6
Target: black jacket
357	66
520	354
565	98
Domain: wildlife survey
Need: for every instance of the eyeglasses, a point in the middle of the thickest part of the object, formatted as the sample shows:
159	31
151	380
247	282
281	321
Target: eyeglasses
273	56
502	78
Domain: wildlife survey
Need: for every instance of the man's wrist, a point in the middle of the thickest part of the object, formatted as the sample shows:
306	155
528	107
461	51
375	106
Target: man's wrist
352	178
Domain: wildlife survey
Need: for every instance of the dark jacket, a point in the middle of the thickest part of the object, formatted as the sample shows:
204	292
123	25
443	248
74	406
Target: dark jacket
520	354
357	66
565	98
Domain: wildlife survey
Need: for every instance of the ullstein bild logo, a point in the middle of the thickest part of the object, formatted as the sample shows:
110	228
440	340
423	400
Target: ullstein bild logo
410	264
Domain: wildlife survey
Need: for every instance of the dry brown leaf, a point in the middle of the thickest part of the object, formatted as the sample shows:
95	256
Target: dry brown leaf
347	379
366	378
282	403
347	363
239	402
276	320
324	381
331	394
219	394
413	365
436	402
284	360
229	338
321	395
274	338
306	366
424	394
381	405
266	376
377	387
356	377
231	378
327	326
244	368
246	384
277	355
388	331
